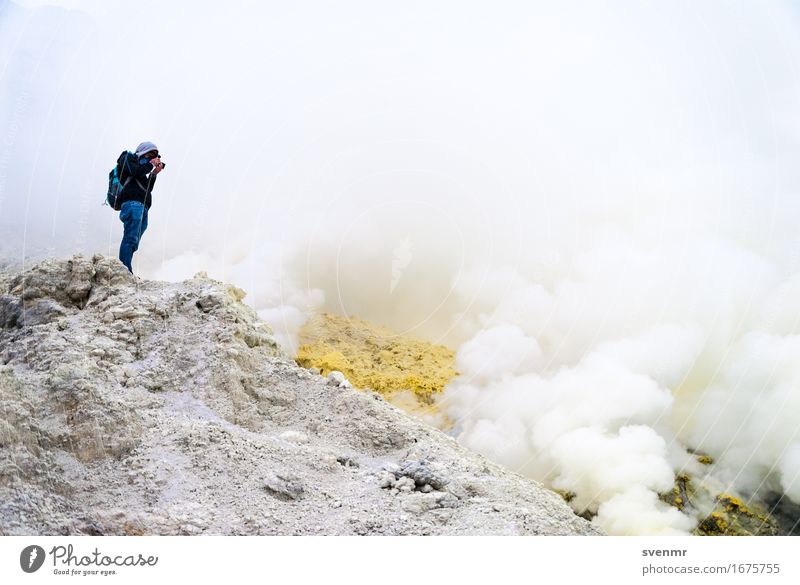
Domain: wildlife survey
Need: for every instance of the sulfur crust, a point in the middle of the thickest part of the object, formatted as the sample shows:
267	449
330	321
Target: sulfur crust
372	356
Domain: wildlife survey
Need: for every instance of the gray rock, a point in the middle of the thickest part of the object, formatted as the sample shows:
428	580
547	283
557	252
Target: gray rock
285	485
386	479
423	473
404	484
294	436
10	312
167	408
337	379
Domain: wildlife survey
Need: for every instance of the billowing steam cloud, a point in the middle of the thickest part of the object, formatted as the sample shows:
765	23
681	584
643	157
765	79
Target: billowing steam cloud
596	205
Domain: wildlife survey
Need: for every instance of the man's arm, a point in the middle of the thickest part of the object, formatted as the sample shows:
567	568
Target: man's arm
138	171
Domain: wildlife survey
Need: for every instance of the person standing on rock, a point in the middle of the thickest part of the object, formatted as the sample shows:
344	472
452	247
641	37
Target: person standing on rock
137	172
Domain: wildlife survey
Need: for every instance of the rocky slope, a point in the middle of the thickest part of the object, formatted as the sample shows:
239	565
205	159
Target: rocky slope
138	407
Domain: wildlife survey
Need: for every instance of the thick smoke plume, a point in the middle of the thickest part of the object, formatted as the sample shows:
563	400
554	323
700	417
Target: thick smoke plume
596	205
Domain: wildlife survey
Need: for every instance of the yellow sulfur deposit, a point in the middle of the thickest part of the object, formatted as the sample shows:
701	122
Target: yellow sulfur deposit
375	357
732	517
728	516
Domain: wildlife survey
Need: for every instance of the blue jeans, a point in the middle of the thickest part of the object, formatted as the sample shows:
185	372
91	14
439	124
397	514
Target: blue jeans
133	215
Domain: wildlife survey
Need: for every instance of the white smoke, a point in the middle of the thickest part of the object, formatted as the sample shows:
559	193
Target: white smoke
595	204
625	360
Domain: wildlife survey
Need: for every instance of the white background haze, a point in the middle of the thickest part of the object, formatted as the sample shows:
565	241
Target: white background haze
596	204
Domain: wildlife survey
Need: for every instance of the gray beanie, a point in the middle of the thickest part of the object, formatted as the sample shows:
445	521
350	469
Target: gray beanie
144	148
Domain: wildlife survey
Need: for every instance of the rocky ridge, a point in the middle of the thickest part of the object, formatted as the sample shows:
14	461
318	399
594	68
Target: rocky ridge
143	407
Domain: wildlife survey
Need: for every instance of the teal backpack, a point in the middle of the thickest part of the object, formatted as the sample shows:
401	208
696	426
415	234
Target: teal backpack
115	186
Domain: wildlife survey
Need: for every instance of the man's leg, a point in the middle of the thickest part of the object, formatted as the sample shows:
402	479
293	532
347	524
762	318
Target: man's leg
142	227
131	217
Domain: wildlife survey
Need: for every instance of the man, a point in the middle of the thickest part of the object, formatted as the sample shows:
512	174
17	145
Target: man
138	172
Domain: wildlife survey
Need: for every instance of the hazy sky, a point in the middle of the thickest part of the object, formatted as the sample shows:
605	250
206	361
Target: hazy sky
595	203
260	107
475	129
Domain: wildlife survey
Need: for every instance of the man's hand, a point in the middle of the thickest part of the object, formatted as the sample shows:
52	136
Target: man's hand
157	165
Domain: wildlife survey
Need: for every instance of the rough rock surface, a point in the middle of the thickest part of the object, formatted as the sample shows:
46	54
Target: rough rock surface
139	407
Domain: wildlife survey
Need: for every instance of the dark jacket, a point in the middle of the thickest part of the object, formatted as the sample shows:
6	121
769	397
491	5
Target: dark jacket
140	187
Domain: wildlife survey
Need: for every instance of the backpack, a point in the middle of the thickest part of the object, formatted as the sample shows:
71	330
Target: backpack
115	186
